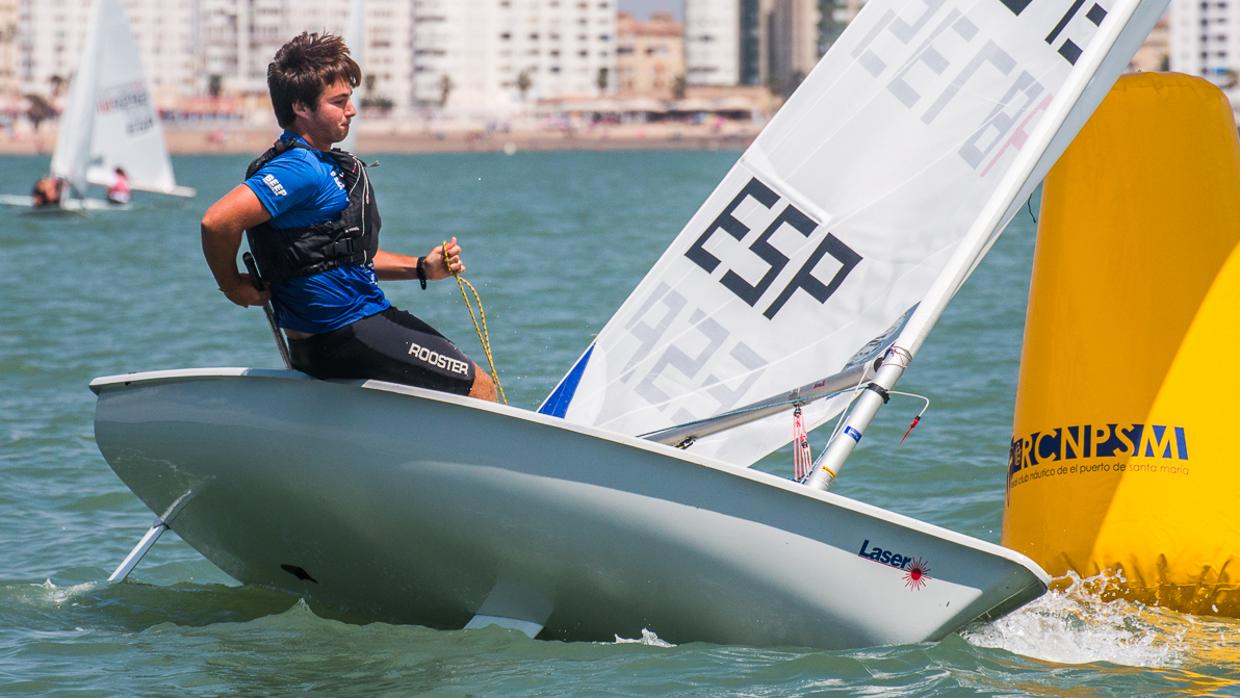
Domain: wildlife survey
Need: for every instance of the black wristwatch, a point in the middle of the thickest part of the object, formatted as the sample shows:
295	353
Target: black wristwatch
422	272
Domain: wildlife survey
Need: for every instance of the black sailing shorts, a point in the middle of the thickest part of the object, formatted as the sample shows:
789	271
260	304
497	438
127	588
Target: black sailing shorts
391	346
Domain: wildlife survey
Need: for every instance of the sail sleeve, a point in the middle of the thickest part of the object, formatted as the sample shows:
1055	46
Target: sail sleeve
840	218
71	158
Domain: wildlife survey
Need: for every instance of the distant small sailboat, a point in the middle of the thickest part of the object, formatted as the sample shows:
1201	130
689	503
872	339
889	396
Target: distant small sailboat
109	121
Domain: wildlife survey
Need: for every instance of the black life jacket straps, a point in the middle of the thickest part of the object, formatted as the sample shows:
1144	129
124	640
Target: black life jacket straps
352	238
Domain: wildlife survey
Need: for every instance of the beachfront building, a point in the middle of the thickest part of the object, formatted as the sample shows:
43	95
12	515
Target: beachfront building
713	42
1205	41
8	47
1155	52
387	55
833	17
214	48
650	56
49	38
10	88
51	35
166	34
778	42
240	37
794	43
755	54
477	57
501	56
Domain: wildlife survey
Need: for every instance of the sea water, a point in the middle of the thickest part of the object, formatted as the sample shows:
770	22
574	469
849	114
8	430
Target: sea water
554	242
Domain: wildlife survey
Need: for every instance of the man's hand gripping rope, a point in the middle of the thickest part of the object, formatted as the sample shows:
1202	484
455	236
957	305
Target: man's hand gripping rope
452	262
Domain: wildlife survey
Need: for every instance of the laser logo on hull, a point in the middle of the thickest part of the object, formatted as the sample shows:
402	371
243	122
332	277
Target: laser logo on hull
916	569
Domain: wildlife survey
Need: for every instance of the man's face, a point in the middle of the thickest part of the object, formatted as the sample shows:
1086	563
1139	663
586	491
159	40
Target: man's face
328	123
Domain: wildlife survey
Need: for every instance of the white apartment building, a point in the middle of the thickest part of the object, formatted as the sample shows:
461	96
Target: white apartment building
794	41
51	34
1155	51
712	42
491	55
242	36
190	49
221	23
387	56
1205	41
494	56
167	35
9	87
834	16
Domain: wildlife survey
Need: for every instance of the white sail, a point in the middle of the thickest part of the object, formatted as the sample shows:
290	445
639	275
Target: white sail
110	120
355	39
71	159
880	173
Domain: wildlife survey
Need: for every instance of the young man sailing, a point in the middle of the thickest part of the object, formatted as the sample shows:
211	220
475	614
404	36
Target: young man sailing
313	224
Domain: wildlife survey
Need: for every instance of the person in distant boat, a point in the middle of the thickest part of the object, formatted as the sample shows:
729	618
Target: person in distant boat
312	222
119	192
47	191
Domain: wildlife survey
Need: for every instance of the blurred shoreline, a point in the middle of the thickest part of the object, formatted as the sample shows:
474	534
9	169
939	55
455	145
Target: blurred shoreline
390	137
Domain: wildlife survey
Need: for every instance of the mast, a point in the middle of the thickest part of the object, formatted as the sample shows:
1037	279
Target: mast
1054	129
72	155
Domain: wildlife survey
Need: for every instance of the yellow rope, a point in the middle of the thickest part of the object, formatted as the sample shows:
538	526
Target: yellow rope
484	338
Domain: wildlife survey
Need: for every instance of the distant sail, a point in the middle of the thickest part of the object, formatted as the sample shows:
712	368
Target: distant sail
110	120
833	227
71	158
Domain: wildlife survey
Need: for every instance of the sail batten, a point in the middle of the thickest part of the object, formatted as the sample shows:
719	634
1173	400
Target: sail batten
875	190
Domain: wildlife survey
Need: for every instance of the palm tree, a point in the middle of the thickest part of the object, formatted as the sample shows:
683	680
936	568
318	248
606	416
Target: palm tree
445	89
678	87
524	83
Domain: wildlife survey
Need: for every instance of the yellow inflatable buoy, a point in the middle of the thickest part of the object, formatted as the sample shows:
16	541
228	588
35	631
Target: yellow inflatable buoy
1124	455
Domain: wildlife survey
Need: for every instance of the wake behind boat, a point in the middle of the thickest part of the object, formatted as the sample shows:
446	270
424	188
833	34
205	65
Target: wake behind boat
108	122
838	237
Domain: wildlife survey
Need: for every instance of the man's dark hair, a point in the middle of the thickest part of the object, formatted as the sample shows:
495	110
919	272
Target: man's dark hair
303	68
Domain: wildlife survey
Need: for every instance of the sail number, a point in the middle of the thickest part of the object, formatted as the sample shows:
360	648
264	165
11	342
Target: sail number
805	278
1070	48
930	52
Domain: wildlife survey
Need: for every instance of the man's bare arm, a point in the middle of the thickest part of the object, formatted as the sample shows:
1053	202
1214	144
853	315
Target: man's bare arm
389	265
222	228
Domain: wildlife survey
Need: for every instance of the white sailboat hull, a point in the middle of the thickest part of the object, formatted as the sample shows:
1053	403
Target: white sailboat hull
104	178
71	205
384	502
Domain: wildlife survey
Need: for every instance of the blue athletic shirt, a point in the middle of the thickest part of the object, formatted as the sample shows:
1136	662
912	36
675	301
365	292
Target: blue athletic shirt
299	188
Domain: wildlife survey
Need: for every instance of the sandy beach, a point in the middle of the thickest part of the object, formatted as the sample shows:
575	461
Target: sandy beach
394	137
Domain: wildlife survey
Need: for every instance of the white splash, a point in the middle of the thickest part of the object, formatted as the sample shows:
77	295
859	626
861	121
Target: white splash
1075	626
58	595
648	638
